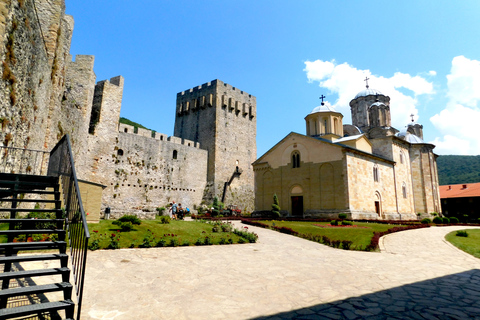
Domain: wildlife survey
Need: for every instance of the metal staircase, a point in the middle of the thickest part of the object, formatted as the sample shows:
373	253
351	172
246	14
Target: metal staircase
34	235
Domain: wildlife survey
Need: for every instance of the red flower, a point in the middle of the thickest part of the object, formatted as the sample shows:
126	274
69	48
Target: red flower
96	231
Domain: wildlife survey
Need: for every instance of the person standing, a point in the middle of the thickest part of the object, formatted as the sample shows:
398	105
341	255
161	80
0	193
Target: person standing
173	208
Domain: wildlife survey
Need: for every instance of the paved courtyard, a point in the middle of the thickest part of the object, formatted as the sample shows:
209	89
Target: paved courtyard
417	275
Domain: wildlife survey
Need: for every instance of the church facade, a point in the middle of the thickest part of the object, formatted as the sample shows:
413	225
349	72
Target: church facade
368	169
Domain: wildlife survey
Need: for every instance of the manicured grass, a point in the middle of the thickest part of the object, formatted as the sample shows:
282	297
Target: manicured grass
360	237
184	232
470	244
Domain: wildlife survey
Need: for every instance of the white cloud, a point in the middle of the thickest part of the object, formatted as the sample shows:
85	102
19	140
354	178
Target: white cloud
458	121
432	73
347	81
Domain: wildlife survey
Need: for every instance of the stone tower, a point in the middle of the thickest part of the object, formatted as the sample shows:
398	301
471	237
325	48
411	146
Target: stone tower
370	109
222	119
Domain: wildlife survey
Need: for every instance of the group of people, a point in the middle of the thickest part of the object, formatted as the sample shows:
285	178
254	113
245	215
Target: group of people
178	212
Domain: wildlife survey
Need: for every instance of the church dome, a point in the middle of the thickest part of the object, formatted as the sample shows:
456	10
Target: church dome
368	92
407	136
323	108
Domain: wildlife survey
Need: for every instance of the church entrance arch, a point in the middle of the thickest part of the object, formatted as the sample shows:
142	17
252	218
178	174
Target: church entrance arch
296	196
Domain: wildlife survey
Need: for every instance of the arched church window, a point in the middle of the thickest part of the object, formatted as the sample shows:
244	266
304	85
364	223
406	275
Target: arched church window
296	159
404	190
325	125
175	153
401	157
335	126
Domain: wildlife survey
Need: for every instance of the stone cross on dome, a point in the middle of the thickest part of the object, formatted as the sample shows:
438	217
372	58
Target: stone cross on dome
412	115
322	97
366	81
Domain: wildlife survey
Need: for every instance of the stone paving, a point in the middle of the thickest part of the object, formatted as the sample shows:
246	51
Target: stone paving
417	275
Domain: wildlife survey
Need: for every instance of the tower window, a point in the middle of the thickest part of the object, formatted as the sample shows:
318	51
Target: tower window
175	153
404	190
296	159
120	152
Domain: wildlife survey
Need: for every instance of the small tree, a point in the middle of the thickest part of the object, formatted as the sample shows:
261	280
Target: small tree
275	207
216	207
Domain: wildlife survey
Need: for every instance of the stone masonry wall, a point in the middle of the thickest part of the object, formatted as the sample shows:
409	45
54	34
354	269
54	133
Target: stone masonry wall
223	120
146	172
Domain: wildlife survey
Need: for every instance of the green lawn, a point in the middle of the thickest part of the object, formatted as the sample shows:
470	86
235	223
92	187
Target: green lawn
360	236
183	232
470	244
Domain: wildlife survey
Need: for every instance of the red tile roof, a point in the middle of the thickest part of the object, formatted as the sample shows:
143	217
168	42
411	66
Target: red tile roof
463	190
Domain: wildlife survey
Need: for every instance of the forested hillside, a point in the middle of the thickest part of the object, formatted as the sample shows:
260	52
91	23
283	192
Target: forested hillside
458	169
132	123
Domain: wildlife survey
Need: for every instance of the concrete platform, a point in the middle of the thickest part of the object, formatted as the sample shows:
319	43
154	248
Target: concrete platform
417	275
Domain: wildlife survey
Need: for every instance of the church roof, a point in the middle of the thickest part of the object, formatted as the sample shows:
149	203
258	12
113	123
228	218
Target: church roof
323	108
407	136
348	138
368	92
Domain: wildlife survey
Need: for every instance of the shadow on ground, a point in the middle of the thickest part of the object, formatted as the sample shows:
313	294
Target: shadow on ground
455	296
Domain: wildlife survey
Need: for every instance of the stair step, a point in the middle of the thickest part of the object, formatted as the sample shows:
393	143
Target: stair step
27	184
31	231
44	245
29	210
30	220
33	273
66	305
30	200
23	291
38	257
26	177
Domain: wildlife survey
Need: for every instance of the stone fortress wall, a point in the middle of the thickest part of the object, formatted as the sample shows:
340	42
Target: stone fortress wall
44	95
222	119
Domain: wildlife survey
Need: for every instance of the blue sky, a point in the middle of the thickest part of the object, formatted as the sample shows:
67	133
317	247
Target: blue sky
425	55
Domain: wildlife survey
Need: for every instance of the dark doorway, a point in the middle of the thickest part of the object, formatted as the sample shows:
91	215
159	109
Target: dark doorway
377	207
297	206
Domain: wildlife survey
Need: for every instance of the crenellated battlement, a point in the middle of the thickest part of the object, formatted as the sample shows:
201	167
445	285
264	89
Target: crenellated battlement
125	128
216	94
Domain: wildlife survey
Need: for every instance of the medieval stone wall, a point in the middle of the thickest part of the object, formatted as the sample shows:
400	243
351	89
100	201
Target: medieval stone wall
223	120
146	172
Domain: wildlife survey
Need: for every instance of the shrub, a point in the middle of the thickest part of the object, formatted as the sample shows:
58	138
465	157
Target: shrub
336	243
445	220
161	243
124	226
148	240
133	219
334	223
462	233
346	244
347	223
241	240
454	220
226	227
165	219
275	207
437	220
173	243
216	207
114	242
207	241
426	221
185	243
199	242
160	210
222	241
342	216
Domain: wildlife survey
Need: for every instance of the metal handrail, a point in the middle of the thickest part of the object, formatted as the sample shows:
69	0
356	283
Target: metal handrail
61	165
23	161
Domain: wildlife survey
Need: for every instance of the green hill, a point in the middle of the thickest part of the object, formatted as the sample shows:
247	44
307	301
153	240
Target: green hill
458	169
132	123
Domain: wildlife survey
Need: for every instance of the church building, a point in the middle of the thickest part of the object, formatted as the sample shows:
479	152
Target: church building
368	170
